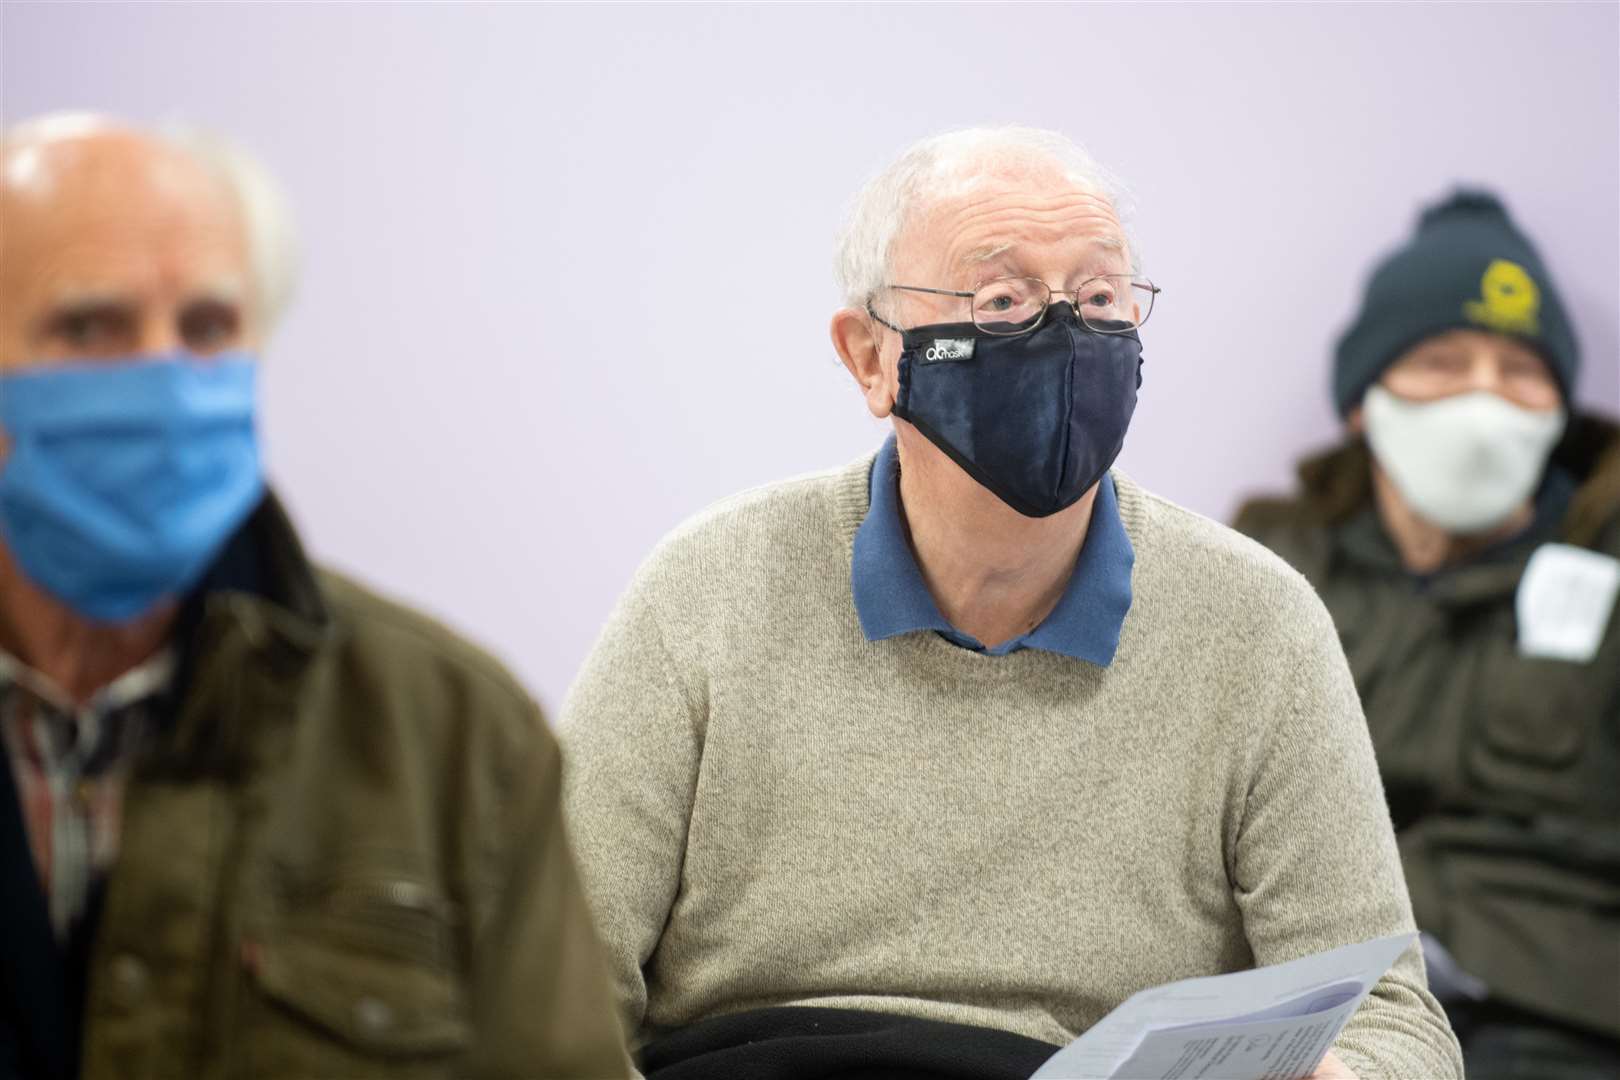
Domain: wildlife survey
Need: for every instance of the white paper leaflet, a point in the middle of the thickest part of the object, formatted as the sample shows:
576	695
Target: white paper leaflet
1270	1023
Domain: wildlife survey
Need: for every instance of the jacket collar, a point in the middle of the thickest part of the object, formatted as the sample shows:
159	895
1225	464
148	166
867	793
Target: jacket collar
1578	499
250	626
264	579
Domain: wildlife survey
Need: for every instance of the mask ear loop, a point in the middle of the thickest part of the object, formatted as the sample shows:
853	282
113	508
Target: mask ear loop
903	372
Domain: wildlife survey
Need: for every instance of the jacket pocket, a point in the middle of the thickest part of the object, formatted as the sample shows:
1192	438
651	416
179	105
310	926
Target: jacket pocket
1533	720
358	983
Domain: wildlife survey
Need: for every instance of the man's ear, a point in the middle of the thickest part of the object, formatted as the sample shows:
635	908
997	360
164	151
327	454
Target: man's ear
1355	422
855	336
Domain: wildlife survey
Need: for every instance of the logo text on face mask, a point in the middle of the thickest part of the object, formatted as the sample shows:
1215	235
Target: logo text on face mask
949	349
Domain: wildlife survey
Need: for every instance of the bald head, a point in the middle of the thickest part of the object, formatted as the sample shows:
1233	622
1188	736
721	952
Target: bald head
115	243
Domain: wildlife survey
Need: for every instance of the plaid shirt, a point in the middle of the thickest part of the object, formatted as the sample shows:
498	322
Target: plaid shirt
70	763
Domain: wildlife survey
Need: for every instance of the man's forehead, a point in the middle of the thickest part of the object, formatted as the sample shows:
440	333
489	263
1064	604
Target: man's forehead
1002	221
995	250
75	289
1476	341
105	175
113	196
73	254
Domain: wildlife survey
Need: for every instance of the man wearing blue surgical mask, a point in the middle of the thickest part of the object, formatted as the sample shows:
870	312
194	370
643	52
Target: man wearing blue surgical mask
920	766
1466	538
250	813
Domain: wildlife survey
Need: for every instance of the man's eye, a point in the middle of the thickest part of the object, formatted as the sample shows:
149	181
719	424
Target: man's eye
1439	361
998	303
91	330
1522	367
1099	298
208	326
79	329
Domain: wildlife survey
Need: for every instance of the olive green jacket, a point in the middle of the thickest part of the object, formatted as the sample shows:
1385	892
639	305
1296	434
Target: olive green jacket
1502	771
344	858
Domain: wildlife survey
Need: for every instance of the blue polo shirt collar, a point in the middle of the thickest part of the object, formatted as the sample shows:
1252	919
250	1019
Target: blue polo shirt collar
891	597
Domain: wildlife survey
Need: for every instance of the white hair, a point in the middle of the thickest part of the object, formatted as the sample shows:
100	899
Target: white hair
272	242
947	166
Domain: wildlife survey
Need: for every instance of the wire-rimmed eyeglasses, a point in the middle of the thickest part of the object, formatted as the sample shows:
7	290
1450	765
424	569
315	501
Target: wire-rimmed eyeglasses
1108	304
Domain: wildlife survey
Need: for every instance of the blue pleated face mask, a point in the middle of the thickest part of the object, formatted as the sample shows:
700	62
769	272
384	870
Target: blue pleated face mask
1036	418
124	479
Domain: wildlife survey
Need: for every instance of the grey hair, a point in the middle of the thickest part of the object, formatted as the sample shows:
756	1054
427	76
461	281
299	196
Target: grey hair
272	240
947	166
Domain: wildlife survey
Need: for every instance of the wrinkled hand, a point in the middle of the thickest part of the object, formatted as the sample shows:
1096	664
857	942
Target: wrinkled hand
1332	1068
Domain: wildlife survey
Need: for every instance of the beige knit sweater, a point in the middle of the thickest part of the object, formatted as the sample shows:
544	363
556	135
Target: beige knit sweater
770	810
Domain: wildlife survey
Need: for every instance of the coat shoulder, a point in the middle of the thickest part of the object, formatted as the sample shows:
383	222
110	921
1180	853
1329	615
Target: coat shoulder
412	659
1263	515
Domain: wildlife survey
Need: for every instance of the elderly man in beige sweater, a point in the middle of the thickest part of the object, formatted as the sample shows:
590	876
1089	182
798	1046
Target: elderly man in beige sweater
920	766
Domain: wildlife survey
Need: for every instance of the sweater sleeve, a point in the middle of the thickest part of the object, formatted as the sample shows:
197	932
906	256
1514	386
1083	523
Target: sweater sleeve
632	743
1315	864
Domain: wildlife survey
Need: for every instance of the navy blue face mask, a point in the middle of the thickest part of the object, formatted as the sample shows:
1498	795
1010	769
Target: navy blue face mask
1037	418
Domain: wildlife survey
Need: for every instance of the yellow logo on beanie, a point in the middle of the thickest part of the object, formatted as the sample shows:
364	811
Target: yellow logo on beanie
1508	300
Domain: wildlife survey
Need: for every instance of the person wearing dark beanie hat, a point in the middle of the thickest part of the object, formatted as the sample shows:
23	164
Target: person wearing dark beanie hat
1465	536
1466	267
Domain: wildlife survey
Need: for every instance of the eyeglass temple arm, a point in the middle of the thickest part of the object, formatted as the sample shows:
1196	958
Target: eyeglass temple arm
936	292
911	288
881	319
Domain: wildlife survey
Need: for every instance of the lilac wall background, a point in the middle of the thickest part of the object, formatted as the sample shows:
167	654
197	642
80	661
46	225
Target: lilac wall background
443	429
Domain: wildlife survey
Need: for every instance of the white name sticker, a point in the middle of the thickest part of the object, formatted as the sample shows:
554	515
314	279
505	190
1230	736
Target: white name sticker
1564	601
